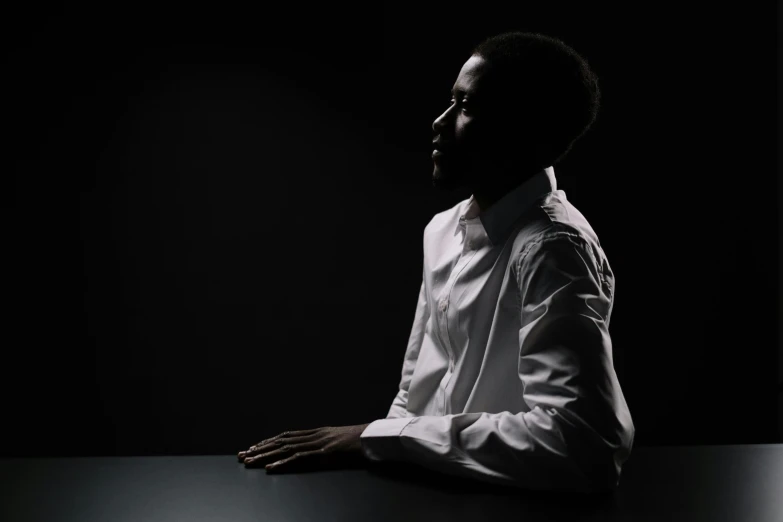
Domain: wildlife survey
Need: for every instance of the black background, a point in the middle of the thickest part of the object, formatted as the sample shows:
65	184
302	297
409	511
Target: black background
215	233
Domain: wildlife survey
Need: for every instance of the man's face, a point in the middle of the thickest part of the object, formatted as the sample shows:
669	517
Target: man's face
464	141
482	136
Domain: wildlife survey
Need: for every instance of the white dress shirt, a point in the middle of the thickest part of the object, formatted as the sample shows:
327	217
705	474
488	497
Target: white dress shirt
508	374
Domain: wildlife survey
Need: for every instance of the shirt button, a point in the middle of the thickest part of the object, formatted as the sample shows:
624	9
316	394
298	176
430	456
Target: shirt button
443	305
470	244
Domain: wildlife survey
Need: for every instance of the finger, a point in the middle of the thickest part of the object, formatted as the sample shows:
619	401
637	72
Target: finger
297	460
286	434
265	458
276	443
285	451
258	450
261	447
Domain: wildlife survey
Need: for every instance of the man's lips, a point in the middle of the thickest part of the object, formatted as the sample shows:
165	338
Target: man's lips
438	148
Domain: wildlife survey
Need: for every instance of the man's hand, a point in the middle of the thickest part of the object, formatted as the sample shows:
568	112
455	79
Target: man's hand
317	448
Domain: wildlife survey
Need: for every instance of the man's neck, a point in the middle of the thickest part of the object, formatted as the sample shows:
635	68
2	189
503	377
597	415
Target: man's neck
488	194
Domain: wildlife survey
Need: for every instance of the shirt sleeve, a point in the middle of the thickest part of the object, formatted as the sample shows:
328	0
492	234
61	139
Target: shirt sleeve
399	405
577	432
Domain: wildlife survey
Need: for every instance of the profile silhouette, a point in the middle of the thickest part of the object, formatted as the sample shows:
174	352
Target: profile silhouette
519	103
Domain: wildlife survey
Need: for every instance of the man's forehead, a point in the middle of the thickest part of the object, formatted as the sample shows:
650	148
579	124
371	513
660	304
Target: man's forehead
469	76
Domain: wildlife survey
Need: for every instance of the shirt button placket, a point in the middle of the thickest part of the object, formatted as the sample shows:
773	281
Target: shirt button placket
443	305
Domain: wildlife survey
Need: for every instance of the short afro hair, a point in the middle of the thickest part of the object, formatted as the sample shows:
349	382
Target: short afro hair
559	92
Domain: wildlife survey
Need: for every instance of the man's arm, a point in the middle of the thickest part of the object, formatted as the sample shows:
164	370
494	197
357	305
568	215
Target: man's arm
578	431
400	402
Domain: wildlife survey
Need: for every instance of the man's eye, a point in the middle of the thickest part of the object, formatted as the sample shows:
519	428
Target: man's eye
463	103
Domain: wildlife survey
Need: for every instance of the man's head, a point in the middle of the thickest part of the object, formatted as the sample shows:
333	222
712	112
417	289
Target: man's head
518	105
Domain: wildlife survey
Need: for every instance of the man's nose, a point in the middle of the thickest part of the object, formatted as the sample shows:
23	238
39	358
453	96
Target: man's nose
439	122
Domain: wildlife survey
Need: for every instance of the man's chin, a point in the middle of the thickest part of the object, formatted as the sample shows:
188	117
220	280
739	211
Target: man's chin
445	180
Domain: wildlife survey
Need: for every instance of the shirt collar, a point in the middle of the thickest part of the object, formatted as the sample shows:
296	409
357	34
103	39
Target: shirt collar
498	219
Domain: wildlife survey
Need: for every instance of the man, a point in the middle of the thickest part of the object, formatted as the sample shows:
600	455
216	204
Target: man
508	375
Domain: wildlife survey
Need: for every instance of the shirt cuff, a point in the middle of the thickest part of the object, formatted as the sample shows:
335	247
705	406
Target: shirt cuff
381	439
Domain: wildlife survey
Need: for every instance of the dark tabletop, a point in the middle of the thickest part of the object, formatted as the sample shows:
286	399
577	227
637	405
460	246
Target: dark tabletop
742	483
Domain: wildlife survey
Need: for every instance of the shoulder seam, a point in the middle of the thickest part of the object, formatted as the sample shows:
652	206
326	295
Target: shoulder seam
574	237
550	236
